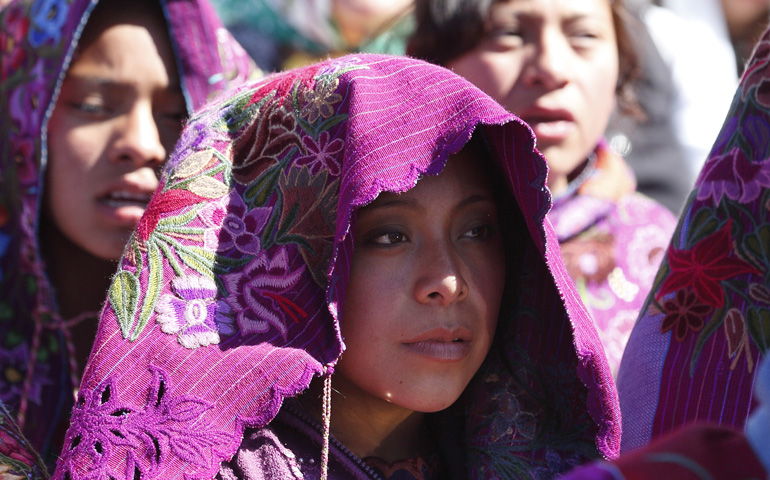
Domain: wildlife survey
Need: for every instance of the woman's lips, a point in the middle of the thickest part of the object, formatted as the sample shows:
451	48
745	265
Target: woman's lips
549	124
441	351
444	345
124	207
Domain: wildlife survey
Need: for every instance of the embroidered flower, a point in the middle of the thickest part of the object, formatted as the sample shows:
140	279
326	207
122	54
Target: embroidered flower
194	315
105	429
733	176
704	266
10	447
589	257
14	365
232	225
318	102
12	35
48	18
256	293
683	313
321	155
737	336
756	74
260	145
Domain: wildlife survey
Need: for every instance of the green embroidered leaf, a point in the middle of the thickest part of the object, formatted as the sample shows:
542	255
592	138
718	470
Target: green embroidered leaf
703	224
154	286
759	327
259	192
124	299
756	244
193	164
714	323
208	187
200	260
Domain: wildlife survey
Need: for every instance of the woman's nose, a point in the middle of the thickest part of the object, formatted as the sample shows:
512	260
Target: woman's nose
139	139
548	65
440	279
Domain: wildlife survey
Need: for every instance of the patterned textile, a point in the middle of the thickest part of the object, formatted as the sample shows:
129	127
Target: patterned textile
694	351
38	38
612	241
695	452
18	460
226	300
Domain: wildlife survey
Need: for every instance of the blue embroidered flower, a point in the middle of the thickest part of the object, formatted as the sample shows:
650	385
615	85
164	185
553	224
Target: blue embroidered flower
14	365
48	18
256	294
238	225
194	316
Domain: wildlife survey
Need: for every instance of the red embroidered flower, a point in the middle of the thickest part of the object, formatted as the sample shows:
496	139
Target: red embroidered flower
704	266
683	313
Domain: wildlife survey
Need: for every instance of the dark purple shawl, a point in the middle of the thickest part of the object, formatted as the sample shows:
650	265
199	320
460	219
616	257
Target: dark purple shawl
227	297
37	42
693	353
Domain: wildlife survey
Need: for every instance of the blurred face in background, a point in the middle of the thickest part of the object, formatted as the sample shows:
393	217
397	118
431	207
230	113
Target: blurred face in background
554	63
118	115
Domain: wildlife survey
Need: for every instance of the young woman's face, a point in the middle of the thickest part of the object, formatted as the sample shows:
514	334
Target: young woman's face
425	290
554	63
118	115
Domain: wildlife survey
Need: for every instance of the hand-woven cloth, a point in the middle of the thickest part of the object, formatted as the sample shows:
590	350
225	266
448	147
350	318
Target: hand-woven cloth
227	298
694	351
37	41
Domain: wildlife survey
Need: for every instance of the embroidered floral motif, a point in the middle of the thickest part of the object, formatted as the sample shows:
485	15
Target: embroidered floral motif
310	210
194	315
737	337
744	183
756	75
321	155
14	365
167	426
704	266
255	293
319	101
231	225
12	58
271	134
684	313
48	17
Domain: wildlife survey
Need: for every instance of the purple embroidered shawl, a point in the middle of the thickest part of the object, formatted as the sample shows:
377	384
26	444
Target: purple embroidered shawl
37	41
612	248
226	300
694	351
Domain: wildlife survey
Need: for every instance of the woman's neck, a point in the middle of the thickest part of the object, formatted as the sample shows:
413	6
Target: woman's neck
366	425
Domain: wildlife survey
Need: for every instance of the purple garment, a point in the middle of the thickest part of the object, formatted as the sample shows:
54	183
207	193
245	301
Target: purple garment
38	39
208	328
612	248
693	354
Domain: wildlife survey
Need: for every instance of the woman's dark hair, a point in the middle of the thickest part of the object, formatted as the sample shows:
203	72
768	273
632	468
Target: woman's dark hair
446	29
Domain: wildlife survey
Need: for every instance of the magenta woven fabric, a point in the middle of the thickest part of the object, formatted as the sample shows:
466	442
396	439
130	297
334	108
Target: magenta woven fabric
694	351
37	41
227	297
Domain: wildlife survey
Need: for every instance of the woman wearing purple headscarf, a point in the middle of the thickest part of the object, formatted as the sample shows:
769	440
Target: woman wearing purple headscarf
347	272
92	99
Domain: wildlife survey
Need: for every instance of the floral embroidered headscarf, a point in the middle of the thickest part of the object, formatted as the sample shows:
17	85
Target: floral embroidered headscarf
693	353
37	41
227	299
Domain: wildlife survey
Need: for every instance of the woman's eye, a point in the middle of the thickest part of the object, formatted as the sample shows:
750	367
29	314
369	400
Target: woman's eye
479	232
389	238
90	107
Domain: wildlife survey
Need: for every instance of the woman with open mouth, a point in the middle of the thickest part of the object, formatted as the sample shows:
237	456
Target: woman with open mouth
93	96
